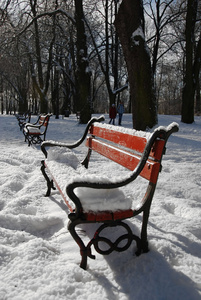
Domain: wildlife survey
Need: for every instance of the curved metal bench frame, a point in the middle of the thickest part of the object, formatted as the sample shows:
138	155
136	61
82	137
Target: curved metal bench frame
155	147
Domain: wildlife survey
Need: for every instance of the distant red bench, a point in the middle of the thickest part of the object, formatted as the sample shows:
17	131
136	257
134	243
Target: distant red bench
97	199
23	119
35	133
78	115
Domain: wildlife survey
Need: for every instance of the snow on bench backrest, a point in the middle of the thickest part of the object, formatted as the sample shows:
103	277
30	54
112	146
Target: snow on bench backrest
43	119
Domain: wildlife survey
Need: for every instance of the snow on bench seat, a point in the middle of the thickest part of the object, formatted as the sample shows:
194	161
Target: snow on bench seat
32	130
64	165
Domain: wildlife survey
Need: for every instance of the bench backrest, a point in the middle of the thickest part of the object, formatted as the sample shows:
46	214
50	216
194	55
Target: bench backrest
126	149
43	120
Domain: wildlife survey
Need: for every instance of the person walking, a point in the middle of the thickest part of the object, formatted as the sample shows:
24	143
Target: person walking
112	114
120	110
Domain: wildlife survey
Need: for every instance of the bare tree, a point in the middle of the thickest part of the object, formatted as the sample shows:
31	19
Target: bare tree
130	27
107	48
14	75
161	39
83	73
192	62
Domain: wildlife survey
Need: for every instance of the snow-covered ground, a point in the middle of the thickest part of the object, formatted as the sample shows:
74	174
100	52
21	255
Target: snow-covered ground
40	260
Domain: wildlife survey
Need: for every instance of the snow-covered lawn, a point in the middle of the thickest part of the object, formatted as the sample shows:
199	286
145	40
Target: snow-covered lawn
40	260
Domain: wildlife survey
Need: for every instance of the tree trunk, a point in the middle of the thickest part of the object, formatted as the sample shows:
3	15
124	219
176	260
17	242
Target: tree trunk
82	75
198	102
187	112
40	84
130	27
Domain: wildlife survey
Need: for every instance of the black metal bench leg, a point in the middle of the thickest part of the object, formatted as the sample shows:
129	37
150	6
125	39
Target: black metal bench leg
84	251
148	200
128	237
49	182
83	263
144	240
29	140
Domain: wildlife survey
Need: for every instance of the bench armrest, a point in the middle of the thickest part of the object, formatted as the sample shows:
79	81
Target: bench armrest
32	125
36	122
73	145
36	125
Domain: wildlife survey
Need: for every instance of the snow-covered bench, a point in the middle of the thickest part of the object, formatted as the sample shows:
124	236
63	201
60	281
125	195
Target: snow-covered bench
23	119
35	133
78	115
94	198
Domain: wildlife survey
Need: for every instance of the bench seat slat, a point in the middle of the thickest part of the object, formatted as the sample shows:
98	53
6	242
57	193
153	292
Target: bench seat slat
59	189
108	216
124	158
64	166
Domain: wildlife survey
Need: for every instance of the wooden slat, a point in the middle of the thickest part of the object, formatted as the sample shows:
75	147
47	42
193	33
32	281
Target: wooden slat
108	216
157	149
59	189
124	139
41	120
124	158
127	140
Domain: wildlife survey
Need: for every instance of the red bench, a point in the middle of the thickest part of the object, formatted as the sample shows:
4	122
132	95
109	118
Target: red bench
97	199
35	133
23	119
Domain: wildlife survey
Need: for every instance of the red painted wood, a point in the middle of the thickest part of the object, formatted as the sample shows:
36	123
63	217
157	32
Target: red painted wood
41	120
120	138
108	216
125	158
59	189
129	141
157	149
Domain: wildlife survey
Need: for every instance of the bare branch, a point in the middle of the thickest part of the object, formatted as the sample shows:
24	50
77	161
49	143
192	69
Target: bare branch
49	14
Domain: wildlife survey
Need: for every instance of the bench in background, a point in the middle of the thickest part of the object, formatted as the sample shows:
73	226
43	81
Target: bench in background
23	119
36	133
78	115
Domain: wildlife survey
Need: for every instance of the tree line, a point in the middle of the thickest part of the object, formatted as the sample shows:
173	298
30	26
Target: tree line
84	55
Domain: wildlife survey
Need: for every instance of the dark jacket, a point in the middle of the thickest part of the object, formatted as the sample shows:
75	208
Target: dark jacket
112	112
